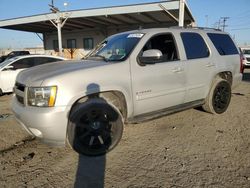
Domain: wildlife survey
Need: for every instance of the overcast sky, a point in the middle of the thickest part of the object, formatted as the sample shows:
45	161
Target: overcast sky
206	13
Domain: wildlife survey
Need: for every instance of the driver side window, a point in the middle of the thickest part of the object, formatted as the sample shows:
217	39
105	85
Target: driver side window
166	44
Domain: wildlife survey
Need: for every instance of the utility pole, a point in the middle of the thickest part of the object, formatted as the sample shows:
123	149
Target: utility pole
224	19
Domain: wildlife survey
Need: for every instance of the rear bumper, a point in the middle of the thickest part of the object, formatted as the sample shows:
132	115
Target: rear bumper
47	124
236	80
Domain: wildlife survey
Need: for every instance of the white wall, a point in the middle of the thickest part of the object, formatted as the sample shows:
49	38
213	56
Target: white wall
97	34
78	36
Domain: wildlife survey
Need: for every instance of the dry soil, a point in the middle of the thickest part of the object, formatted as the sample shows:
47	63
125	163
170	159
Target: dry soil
187	149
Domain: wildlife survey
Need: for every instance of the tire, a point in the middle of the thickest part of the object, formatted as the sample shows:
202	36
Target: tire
95	127
1	92
219	97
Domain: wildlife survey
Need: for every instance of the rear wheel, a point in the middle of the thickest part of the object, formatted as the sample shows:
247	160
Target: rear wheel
219	97
95	127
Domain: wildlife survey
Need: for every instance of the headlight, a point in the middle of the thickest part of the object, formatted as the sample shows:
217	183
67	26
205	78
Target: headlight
42	96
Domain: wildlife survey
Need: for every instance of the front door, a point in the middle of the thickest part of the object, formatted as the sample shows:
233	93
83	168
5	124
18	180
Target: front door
160	85
8	76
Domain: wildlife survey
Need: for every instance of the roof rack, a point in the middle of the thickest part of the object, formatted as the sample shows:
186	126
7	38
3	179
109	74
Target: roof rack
205	28
190	27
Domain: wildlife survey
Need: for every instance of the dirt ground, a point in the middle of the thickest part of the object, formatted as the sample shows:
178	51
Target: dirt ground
188	149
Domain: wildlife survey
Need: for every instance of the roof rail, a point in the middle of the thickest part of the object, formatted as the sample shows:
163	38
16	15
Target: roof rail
206	28
190	27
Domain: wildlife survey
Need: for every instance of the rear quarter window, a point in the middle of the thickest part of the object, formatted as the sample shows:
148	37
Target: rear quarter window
223	43
195	46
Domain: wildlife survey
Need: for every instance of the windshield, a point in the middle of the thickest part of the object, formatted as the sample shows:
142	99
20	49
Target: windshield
246	52
116	48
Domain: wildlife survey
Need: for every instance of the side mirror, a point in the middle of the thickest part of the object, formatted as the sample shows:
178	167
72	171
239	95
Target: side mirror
151	56
9	67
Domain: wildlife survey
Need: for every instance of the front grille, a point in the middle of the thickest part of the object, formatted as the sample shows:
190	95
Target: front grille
19	91
248	59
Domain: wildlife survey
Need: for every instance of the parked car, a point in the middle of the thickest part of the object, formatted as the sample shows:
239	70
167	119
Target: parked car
243	60
13	54
246	52
11	67
130	77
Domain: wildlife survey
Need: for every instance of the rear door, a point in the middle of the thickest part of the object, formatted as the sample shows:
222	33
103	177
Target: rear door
199	66
162	84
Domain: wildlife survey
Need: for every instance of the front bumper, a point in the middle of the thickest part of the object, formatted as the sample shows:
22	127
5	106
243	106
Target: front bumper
246	63
48	124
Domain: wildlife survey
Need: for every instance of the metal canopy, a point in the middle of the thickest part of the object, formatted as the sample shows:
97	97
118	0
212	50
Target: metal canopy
145	15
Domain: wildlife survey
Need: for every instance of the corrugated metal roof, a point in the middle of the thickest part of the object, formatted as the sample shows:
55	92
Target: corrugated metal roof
148	15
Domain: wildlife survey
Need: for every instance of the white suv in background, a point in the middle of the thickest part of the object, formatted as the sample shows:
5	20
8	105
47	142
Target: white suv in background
11	67
246	52
130	77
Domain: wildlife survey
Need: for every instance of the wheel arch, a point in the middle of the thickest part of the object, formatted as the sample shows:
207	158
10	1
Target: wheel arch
227	75
116	98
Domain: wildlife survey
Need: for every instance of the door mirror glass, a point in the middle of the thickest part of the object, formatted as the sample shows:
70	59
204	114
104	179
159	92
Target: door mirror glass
151	56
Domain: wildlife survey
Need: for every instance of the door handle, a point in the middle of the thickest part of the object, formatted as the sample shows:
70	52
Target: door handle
177	69
210	65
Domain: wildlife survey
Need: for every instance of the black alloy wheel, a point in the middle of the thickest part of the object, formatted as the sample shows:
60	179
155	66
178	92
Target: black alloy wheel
96	128
221	97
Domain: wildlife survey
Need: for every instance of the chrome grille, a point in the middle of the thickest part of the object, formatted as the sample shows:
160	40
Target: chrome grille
19	91
248	59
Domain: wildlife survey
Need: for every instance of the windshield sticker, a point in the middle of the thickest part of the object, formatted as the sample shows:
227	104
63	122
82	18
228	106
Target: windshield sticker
135	35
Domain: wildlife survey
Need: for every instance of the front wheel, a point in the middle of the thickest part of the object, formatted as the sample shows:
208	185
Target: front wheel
219	97
95	127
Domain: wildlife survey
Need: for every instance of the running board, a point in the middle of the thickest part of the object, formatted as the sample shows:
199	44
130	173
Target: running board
166	111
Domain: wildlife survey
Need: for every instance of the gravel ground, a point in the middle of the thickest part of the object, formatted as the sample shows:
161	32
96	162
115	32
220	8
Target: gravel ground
187	149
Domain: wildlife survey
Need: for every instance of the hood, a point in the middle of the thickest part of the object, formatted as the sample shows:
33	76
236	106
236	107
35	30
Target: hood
37	74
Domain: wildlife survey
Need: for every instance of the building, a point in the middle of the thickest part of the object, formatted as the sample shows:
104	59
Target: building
81	30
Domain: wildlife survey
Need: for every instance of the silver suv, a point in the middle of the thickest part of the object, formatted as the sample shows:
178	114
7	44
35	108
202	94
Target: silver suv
129	77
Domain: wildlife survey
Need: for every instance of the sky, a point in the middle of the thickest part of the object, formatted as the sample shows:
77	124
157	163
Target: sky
207	13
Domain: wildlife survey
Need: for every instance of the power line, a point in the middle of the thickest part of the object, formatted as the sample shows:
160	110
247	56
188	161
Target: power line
247	28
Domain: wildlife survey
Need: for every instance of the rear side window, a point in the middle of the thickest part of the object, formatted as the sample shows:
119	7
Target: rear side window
223	43
194	45
45	60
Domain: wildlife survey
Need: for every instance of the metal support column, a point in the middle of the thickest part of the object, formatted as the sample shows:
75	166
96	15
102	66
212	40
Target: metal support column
59	33
181	12
59	23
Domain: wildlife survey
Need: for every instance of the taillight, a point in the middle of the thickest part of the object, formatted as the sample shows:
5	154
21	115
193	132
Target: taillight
241	63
